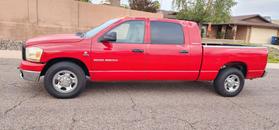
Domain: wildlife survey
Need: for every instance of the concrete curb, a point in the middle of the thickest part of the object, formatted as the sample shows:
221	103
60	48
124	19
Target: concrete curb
273	65
13	54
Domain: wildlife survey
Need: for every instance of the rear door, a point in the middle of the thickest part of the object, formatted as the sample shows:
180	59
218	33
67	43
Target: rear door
123	59
168	54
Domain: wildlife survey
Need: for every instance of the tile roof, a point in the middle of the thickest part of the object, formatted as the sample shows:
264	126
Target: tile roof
243	20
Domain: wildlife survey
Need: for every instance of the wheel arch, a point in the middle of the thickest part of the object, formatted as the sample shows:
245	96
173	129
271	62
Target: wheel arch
238	65
73	60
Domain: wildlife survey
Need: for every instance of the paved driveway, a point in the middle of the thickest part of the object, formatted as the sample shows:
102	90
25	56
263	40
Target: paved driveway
138	105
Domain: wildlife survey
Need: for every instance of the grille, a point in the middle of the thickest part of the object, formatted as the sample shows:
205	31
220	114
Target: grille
23	52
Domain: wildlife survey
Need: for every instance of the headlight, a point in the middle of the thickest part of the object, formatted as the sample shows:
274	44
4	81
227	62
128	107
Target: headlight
34	54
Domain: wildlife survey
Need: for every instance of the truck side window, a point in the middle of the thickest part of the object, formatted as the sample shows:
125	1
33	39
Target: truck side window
130	32
166	33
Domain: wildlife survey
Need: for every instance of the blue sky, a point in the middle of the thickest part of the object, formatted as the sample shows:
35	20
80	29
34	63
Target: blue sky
244	7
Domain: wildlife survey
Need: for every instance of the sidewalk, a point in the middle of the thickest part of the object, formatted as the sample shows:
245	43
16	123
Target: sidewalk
274	46
272	65
11	54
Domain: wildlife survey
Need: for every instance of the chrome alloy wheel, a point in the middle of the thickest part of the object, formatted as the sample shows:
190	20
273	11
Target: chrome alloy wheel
65	81
232	83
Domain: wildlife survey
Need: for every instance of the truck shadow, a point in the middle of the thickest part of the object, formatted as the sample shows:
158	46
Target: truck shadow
147	87
151	86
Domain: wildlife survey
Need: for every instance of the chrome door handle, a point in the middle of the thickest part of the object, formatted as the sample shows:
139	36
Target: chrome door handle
184	51
138	50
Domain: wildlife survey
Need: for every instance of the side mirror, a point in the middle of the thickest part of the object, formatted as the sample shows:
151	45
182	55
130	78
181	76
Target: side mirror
109	37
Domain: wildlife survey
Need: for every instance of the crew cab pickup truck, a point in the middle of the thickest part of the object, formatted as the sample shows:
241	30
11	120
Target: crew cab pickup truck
132	49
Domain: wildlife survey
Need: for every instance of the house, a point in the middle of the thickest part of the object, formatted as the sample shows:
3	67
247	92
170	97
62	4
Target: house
168	14
275	21
248	28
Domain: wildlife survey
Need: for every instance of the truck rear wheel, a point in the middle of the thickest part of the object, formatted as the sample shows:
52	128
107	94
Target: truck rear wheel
229	82
64	80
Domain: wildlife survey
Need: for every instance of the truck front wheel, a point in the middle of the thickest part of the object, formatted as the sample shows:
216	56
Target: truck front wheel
65	80
229	82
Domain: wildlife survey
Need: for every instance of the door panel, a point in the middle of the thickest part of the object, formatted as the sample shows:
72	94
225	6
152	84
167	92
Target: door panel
119	62
123	59
168	63
169	55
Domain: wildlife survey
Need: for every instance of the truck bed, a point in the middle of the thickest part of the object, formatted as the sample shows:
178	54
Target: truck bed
215	56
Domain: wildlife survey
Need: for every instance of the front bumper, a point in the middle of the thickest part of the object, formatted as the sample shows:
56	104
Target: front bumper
30	71
30	75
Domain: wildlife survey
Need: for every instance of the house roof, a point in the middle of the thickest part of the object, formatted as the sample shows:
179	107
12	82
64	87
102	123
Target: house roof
169	14
251	20
245	17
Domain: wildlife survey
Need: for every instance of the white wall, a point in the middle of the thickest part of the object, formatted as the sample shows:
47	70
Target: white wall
262	35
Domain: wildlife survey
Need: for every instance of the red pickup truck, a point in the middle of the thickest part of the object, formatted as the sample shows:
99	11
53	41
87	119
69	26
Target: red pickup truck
129	49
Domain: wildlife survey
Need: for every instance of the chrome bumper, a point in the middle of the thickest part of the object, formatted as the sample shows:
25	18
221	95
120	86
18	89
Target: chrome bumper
30	75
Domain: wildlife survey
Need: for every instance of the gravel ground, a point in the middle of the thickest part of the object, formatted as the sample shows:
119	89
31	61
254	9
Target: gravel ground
10	44
138	105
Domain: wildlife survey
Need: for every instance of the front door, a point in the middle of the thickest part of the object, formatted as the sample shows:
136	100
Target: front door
123	59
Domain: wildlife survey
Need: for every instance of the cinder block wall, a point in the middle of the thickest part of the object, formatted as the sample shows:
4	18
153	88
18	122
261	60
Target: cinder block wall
23	19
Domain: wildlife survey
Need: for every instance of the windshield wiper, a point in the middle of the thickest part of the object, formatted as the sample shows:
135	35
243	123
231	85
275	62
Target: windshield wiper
81	34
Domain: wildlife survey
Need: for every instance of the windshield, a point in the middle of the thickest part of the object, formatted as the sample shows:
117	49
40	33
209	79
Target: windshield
95	30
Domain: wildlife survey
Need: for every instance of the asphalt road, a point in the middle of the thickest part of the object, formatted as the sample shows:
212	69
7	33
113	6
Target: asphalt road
138	105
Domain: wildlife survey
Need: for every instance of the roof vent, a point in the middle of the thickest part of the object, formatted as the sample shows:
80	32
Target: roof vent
268	18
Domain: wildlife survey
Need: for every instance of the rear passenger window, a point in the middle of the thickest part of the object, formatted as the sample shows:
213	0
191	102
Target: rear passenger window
166	33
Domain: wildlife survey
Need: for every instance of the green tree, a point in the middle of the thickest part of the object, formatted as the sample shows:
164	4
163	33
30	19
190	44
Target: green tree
144	5
157	4
204	11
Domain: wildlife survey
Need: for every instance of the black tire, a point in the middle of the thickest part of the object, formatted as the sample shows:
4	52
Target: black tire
219	82
67	66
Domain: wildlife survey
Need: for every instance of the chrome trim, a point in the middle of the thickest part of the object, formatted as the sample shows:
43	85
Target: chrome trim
30	75
232	83
85	54
65	81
